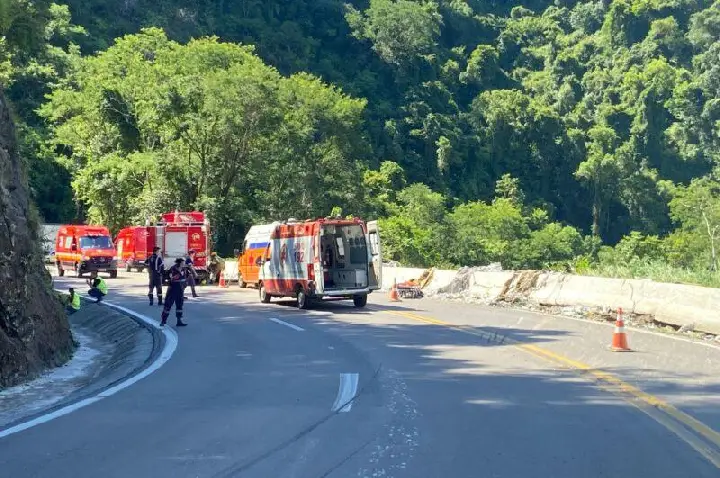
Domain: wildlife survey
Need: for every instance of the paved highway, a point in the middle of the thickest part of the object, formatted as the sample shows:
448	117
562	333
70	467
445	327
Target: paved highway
259	390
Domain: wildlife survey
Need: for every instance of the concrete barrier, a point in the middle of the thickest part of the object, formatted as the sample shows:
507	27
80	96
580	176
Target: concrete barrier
673	304
231	270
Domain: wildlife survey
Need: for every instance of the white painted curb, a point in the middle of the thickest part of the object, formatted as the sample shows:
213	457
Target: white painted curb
171	343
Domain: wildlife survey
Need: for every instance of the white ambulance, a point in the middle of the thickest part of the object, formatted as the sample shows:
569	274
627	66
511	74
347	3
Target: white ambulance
329	258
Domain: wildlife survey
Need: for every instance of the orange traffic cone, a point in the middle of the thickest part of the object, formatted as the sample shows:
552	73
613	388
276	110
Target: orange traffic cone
619	341
222	280
394	297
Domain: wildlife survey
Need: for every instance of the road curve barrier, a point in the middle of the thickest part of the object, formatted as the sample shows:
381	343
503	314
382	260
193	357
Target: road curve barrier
674	304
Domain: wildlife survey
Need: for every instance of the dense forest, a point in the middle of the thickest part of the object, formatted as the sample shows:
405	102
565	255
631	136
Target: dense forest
530	132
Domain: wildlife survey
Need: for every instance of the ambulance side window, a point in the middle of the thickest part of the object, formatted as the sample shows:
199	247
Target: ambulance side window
68	242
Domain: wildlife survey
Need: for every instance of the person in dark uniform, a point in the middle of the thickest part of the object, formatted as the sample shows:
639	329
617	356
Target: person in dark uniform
191	272
178	277
155	267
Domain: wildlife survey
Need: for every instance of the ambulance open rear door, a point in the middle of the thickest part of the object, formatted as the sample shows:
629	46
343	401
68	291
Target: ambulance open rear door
374	256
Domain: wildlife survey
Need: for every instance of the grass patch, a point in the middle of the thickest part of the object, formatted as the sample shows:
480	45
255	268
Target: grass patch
658	271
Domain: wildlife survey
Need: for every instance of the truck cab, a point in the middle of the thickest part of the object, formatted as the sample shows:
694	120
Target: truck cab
85	249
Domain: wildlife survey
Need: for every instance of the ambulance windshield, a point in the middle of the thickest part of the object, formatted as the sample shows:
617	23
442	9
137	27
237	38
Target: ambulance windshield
95	242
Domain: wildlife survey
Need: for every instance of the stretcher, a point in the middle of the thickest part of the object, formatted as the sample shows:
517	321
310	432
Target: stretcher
409	290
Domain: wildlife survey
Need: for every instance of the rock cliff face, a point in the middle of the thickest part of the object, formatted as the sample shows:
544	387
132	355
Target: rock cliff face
34	331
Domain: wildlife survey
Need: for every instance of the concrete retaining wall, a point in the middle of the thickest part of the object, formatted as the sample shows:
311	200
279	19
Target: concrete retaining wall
133	344
674	304
231	270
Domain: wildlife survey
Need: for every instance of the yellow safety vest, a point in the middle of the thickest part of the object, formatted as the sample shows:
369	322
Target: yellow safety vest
102	286
75	304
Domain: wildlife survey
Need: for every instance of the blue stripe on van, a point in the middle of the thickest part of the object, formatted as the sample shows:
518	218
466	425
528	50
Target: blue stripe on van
258	245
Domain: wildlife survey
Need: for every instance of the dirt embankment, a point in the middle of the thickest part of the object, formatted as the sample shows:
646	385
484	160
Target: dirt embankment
34	332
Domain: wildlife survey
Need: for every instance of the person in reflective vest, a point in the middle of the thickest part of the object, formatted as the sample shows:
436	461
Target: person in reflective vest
178	278
73	302
98	288
155	268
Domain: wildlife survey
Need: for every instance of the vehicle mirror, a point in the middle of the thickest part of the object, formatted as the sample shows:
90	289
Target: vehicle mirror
259	261
236	252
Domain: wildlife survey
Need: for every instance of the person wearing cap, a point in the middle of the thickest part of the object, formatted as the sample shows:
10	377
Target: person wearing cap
175	293
155	268
217	266
191	273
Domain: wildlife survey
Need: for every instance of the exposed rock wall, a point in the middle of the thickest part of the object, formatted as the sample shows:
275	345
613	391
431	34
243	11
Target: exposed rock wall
34	331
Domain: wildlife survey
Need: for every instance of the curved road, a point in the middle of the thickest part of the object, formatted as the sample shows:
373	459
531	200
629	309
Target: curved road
267	391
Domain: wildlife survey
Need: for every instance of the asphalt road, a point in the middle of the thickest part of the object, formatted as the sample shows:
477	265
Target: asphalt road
259	390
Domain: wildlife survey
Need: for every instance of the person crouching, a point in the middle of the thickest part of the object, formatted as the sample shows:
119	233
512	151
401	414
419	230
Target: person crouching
98	288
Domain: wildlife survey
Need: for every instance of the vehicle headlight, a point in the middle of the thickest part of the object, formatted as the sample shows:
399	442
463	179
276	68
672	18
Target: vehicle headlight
115	258
86	258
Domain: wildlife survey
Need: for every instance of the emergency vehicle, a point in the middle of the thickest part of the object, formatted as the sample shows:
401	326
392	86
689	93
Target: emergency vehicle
253	248
179	232
329	258
85	249
134	245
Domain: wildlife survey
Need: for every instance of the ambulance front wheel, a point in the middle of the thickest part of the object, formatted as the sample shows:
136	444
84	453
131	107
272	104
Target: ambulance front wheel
264	296
113	274
360	300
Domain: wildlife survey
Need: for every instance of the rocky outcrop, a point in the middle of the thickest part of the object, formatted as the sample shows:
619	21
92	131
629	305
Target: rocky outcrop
34	331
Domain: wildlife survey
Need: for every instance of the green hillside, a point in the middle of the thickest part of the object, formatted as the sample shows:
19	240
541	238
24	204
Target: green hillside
528	132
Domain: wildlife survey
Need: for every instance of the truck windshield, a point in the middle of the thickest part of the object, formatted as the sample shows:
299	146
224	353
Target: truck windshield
95	242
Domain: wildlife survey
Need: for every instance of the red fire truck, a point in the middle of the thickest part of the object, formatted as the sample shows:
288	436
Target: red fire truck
134	245
175	234
326	258
179	232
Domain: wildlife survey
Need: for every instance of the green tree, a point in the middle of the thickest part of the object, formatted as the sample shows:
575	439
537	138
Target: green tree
697	209
401	31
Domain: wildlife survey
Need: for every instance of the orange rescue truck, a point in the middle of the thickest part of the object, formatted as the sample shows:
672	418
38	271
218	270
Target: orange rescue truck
85	249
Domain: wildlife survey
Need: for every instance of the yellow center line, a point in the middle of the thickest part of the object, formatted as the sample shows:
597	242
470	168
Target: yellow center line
606	381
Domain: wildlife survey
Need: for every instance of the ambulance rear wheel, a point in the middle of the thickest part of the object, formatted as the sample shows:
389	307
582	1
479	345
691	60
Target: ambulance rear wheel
264	296
360	300
113	274
61	271
241	282
78	270
302	300
127	267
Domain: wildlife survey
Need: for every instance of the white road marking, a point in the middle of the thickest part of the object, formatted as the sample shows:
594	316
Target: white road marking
171	343
286	324
346	392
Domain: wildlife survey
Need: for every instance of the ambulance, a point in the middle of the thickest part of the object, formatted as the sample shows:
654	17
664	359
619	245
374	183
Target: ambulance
330	258
85	249
253	248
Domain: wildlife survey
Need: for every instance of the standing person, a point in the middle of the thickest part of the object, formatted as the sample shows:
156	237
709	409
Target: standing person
73	302
217	266
175	291
98	288
155	267
192	273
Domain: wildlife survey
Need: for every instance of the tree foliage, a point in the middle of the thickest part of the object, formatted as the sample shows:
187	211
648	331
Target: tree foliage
597	115
152	125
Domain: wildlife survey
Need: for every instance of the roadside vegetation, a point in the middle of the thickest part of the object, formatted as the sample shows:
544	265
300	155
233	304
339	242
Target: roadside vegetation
570	135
